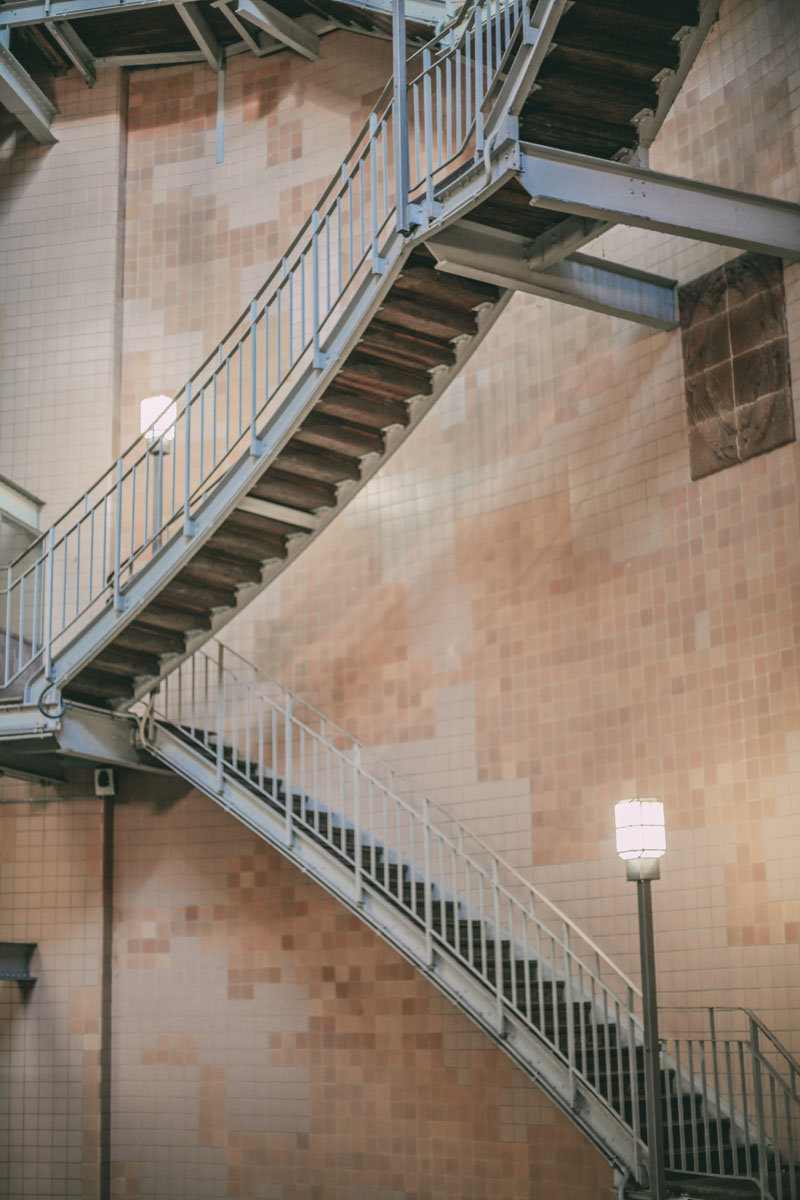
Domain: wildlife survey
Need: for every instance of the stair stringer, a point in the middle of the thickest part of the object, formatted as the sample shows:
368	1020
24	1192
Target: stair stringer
596	1120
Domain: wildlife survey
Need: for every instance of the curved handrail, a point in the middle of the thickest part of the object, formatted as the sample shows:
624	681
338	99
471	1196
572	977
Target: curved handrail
149	495
360	750
524	953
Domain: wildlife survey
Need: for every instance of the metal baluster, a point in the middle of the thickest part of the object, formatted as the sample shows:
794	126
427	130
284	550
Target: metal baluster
439	115
715	1067
35	621
274	734
758	1095
484	966
527	964
704	1093
450	114
357	823
442	907
291	318
776	1136
240	362
64	573
260	741
682	1117
426	835
669	1143
7	664
605	1054
427	101
478	82
732	1101
220	716
570	1009
91	551
417	134
255	444
327	265
458	69
400	116
303	258
789	1146
288	787
188	524
373	169
119	602
512	960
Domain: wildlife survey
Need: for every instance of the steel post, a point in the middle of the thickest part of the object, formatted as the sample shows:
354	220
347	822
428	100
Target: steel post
402	174
652	1066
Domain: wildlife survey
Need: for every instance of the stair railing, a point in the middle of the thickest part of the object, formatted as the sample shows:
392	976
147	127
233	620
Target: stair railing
479	911
406	789
747	1084
155	491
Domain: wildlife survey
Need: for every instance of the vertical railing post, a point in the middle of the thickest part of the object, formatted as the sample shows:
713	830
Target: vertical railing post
287	783
7	663
220	715
570	1004
402	171
758	1096
479	82
255	444
498	951
357	821
319	359
426	835
48	636
427	107
378	264
119	600
188	524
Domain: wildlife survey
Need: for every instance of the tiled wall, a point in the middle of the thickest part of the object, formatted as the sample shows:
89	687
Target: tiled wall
532	609
268	1045
50	1036
61	210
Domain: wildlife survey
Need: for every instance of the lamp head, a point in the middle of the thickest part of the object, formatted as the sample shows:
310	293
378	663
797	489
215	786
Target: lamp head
641	835
158	415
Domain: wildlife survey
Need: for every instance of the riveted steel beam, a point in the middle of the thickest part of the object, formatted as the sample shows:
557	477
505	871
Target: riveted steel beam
286	30
479	252
607	191
24	99
74	48
200	30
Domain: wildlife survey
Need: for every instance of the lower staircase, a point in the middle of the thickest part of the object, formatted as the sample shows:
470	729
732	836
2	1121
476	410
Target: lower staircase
519	967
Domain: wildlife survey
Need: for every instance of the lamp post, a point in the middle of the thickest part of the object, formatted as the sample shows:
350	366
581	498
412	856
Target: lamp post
157	418
641	841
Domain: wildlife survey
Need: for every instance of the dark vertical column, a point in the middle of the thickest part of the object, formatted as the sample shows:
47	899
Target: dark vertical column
652	1068
105	998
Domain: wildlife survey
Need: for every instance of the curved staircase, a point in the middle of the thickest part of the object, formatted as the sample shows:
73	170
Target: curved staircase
451	197
512	961
499	150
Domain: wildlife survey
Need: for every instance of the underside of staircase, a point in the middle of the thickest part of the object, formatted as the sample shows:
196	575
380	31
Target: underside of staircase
568	91
599	90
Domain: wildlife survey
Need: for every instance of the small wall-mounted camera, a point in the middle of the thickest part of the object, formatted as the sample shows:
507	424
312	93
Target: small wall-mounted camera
105	783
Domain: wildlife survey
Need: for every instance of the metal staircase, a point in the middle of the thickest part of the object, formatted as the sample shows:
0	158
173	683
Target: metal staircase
511	960
516	136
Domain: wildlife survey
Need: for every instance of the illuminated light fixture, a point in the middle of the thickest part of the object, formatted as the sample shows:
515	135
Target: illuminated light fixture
640	829
158	415
641	843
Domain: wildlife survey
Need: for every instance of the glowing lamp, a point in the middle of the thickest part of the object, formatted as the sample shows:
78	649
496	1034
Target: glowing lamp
158	415
640	829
